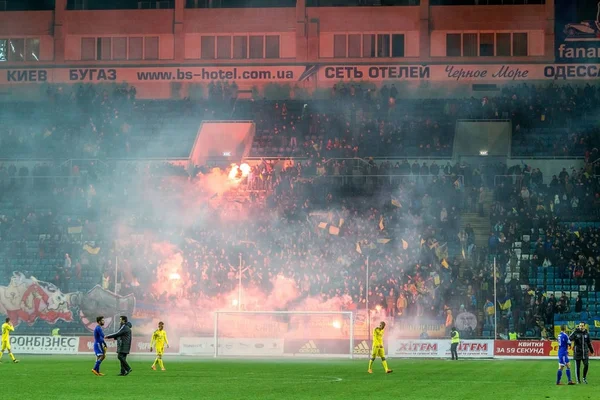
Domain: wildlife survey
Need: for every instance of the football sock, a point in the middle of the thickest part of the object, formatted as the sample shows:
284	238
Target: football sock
558	375
385	366
97	366
569	374
1	354
160	362
585	369
155	361
12	356
370	364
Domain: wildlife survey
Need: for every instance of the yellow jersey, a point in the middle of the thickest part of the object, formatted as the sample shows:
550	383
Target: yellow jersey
159	338
378	337
6	330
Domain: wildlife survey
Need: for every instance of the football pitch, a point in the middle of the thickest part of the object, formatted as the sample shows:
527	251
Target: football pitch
70	377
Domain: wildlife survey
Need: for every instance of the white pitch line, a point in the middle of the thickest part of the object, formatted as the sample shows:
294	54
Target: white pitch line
310	378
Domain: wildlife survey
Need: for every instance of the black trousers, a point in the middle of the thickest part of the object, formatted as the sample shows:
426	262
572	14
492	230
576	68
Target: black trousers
453	351
125	368
586	362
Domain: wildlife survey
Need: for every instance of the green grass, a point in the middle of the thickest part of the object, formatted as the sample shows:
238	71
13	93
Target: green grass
70	377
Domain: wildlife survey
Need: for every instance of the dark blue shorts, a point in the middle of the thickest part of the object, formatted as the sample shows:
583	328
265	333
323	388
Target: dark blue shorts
98	350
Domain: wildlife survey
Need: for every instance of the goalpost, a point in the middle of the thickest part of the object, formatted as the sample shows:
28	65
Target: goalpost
284	333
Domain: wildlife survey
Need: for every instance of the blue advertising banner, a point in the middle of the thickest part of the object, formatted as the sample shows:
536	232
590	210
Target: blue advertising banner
577	31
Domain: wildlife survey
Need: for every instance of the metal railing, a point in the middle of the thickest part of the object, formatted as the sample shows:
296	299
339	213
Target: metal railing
546	157
483	120
39	182
88	161
514	179
400	158
390	178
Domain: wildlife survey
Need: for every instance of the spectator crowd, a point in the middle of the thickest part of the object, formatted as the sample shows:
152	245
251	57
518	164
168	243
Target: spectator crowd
94	121
296	220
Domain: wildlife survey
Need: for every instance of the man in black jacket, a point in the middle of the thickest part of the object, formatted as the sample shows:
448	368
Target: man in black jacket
582	347
123	336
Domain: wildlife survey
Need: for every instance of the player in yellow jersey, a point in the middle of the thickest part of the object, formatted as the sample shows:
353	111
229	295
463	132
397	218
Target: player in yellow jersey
378	350
7	328
159	340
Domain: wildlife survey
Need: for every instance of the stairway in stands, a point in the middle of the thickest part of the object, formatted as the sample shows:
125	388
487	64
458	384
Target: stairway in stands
481	225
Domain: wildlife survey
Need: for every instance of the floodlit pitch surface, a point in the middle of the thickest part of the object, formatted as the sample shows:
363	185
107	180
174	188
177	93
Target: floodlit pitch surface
64	377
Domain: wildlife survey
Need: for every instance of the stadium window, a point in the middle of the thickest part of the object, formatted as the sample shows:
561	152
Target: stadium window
119	50
136	48
88	49
469	45
503	44
398	45
151	48
272	47
339	46
3	49
103	48
369	46
207	47
453	45
224	47
240	47
383	45
257	47
16	50
486	44
520	44
32	45
354	46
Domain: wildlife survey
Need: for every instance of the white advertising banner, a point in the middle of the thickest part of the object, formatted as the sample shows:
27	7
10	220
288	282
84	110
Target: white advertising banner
440	348
471	73
251	347
44	344
196	346
231	347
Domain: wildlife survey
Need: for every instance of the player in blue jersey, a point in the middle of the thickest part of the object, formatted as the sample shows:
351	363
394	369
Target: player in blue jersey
563	355
99	346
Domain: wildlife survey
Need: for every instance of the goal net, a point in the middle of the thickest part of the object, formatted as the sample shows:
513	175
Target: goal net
283	333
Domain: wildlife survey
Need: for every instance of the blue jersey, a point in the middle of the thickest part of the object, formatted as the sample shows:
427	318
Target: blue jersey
99	343
563	348
99	335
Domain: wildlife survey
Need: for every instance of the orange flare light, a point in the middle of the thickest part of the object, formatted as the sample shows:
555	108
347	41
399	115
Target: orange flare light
237	173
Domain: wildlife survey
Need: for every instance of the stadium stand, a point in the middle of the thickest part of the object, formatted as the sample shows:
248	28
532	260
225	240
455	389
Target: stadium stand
55	209
93	121
541	237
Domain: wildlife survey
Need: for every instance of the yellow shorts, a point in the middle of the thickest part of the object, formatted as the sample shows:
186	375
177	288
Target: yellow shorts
160	350
5	345
378	352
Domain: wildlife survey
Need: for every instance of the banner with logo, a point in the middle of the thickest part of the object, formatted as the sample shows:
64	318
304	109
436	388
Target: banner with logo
27	300
44	344
250	347
138	345
532	348
197	346
440	348
471	73
465	320
325	75
521	348
145	75
205	346
577	29
307	347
